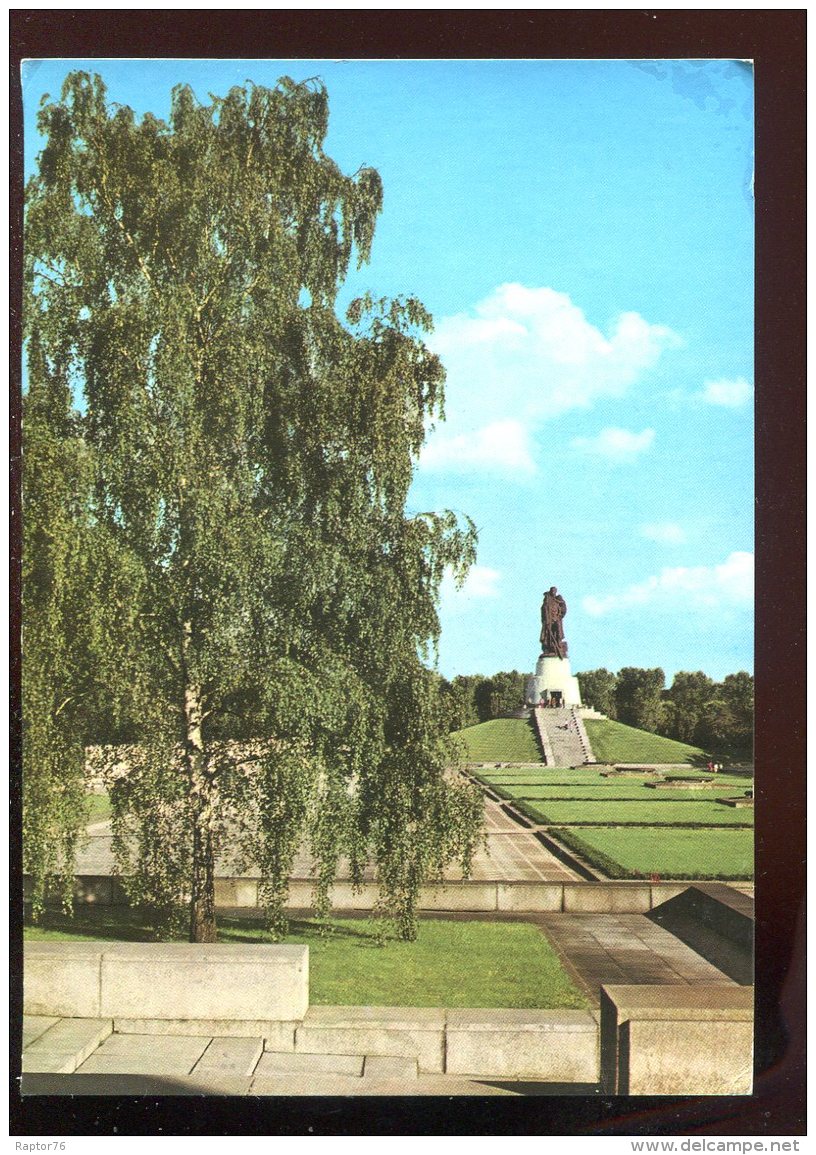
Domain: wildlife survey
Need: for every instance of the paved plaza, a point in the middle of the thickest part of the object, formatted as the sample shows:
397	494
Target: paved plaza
84	1057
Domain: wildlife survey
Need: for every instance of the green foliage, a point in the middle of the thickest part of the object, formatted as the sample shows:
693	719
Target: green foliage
695	709
598	690
263	601
500	694
473	698
638	697
727	723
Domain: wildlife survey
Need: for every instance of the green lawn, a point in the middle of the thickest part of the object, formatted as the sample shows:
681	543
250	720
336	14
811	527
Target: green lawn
545	776
614	742
632	852
500	740
649	813
451	964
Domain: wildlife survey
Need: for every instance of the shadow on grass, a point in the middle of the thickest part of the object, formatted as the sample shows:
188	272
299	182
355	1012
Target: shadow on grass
237	930
128	924
119	924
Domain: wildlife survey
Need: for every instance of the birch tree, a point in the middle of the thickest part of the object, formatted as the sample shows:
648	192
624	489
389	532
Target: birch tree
250	454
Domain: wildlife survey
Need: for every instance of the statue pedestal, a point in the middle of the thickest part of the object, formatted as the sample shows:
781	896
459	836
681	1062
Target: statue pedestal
552	675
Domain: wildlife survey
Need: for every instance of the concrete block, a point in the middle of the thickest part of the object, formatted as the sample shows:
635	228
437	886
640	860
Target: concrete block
230	1056
191	980
663	891
677	1040
389	1067
530	896
236	892
62	979
402	1032
36	1025
606	898
277	1036
687	1058
274	1064
555	1046
344	896
458	896
300	894
93	889
145	1055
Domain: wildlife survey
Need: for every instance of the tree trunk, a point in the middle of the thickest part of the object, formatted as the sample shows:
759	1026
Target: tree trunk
202	903
202	789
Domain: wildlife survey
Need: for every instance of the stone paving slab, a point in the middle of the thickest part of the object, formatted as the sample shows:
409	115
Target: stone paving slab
624	949
65	1045
78	1037
146	1055
48	1062
271	1063
36	1025
389	1067
277	1036
230	1056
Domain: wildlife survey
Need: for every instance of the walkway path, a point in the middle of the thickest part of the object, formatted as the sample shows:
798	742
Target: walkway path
512	854
85	1057
624	948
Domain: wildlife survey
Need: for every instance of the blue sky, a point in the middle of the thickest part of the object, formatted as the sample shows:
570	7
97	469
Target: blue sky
582	232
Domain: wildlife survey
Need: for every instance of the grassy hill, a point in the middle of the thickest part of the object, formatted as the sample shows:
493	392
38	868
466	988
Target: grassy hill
614	742
500	740
514	740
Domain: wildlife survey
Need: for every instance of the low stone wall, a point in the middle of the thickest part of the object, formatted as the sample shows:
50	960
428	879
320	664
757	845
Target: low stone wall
165	980
677	1040
554	1046
601	897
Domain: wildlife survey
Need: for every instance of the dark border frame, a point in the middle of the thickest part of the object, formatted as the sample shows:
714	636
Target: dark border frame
775	41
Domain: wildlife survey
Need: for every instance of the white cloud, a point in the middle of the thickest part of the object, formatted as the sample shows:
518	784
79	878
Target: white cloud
731	394
503	445
481	582
664	532
616	445
525	355
730	584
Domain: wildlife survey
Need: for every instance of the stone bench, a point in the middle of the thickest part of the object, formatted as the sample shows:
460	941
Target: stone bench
677	1040
185	981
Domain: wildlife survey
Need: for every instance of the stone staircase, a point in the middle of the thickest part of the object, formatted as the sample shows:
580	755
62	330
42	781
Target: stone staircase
563	737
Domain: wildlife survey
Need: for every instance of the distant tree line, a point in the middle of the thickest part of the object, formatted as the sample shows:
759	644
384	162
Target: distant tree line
473	698
716	716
